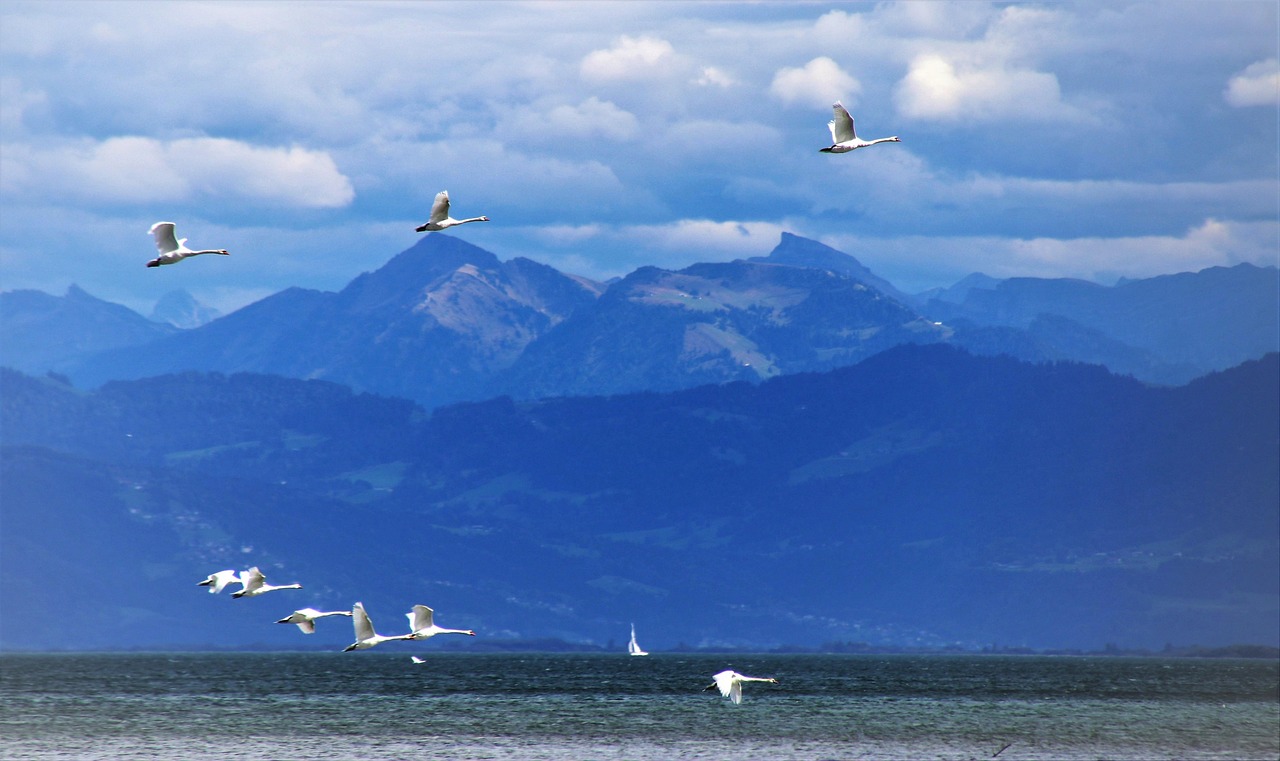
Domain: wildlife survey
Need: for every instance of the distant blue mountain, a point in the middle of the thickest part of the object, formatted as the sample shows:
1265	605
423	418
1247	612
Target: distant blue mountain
41	333
713	323
1168	329
434	324
923	497
181	310
446	321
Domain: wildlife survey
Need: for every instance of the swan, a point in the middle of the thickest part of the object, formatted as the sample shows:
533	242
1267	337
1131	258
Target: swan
173	250
843	136
306	618
730	684
440	218
366	637
256	584
216	582
424	628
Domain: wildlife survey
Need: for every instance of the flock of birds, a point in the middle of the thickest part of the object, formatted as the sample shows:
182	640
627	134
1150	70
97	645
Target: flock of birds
844	138
171	249
253	583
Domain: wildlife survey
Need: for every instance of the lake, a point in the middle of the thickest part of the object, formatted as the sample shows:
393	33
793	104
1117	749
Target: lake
379	705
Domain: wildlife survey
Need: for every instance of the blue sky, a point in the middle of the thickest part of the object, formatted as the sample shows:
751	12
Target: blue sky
1090	140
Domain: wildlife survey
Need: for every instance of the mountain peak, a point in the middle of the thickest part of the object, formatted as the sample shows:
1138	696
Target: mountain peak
434	256
796	251
182	310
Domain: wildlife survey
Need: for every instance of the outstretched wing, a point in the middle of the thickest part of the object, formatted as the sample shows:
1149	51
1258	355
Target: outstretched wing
842	125
252	579
440	208
420	617
363	626
166	241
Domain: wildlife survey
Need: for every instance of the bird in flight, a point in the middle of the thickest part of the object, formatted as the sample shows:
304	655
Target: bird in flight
172	250
843	136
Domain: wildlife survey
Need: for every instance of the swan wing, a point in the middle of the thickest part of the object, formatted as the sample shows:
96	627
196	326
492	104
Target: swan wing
842	125
166	240
421	617
440	208
252	579
360	619
726	683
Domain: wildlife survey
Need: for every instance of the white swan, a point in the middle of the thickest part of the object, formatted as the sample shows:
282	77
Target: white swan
366	637
306	618
440	219
216	582
843	136
256	584
730	684
420	621
173	250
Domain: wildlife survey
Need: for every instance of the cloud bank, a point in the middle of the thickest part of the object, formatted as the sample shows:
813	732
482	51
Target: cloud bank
134	170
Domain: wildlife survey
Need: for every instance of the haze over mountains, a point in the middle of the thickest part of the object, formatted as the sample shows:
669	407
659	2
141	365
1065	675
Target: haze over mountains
783	450
445	321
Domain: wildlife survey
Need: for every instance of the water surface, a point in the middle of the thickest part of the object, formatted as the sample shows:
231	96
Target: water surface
379	705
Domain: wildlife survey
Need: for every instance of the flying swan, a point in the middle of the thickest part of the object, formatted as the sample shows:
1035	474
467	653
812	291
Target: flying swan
216	582
256	584
420	621
843	136
306	618
366	637
440	218
173	250
730	684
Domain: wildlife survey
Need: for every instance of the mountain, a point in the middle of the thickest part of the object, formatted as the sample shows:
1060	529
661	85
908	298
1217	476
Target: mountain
924	496
713	323
446	321
1175	327
433	324
181	310
41	333
794	251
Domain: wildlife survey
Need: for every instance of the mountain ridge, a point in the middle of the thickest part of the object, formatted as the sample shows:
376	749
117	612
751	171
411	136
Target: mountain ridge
446	321
949	499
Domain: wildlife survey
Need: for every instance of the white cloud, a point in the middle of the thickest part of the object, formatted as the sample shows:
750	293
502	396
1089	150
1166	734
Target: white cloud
1257	85
629	58
712	76
703	237
936	88
17	104
819	81
592	118
143	169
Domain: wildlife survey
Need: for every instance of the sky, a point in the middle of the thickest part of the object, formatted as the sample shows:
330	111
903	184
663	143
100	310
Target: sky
1093	140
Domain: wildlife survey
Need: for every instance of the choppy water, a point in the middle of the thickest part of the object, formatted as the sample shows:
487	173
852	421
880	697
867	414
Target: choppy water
379	705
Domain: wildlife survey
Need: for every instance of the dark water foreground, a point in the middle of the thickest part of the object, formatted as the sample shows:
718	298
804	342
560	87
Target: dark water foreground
379	705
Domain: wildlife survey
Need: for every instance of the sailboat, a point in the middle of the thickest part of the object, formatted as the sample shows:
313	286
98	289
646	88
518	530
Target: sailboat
633	647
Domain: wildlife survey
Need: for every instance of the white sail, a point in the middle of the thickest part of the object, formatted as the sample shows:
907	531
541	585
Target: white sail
633	647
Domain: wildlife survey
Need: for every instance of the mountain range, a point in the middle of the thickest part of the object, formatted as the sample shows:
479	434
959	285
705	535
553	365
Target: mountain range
922	497
781	450
445	321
